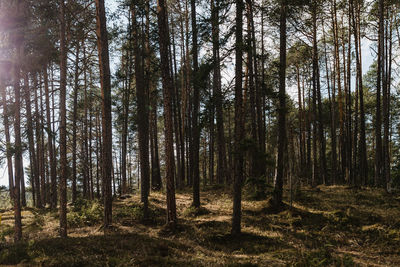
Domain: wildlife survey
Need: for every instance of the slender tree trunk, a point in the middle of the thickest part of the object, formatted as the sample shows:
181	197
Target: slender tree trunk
156	183
8	141
195	115
315	172
74	119
63	125
378	119
124	135
167	90
334	178
50	134
18	148
32	153
222	174
386	101
102	45
39	147
252	93
239	123
277	195
143	118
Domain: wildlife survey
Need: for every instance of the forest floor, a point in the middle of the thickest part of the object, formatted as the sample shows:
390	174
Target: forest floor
327	226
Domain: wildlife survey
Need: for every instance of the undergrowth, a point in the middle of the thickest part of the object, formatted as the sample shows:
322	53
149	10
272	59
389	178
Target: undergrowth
327	226
85	213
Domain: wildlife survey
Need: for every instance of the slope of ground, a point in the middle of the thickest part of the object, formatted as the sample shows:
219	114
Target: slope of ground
330	226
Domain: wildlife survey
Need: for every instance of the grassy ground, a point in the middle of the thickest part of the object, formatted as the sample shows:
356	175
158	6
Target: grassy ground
330	226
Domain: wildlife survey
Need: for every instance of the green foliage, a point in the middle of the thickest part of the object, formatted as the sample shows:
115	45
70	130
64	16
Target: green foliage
37	222
6	230
135	212
256	188
85	213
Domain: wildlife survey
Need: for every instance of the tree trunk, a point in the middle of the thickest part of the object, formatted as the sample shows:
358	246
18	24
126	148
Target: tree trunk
33	159
74	119
50	134
18	149
222	174
195	115
277	195
143	118
102	46
378	119
167	89
8	141
63	125
239	124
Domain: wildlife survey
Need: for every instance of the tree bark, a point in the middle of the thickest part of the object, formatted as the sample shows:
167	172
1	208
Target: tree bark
278	187
63	125
239	123
143	118
8	141
50	134
195	115
102	46
33	159
167	90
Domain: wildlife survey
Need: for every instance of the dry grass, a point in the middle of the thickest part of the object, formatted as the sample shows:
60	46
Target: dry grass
333	226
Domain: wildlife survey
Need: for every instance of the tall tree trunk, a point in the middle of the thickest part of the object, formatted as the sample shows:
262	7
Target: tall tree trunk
195	115
39	147
252	93
8	141
315	172
50	134
277	195
386	100
156	183
63	125
32	153
18	147
222	174
102	46
239	123
143	118
74	119
378	119
167	89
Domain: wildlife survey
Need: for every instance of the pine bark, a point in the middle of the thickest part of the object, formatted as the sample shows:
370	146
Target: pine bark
63	125
50	134
32	152
239	123
195	114
143	118
8	140
278	186
167	90
102	46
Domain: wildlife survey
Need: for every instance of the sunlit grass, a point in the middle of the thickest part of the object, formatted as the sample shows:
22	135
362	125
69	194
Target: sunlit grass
333	226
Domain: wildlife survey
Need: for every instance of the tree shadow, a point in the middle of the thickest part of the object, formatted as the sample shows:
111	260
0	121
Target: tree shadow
91	251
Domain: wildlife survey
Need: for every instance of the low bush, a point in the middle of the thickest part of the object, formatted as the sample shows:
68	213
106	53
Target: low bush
85	213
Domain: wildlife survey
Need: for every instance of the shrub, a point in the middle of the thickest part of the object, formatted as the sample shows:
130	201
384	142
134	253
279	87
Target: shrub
85	213
256	188
7	230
